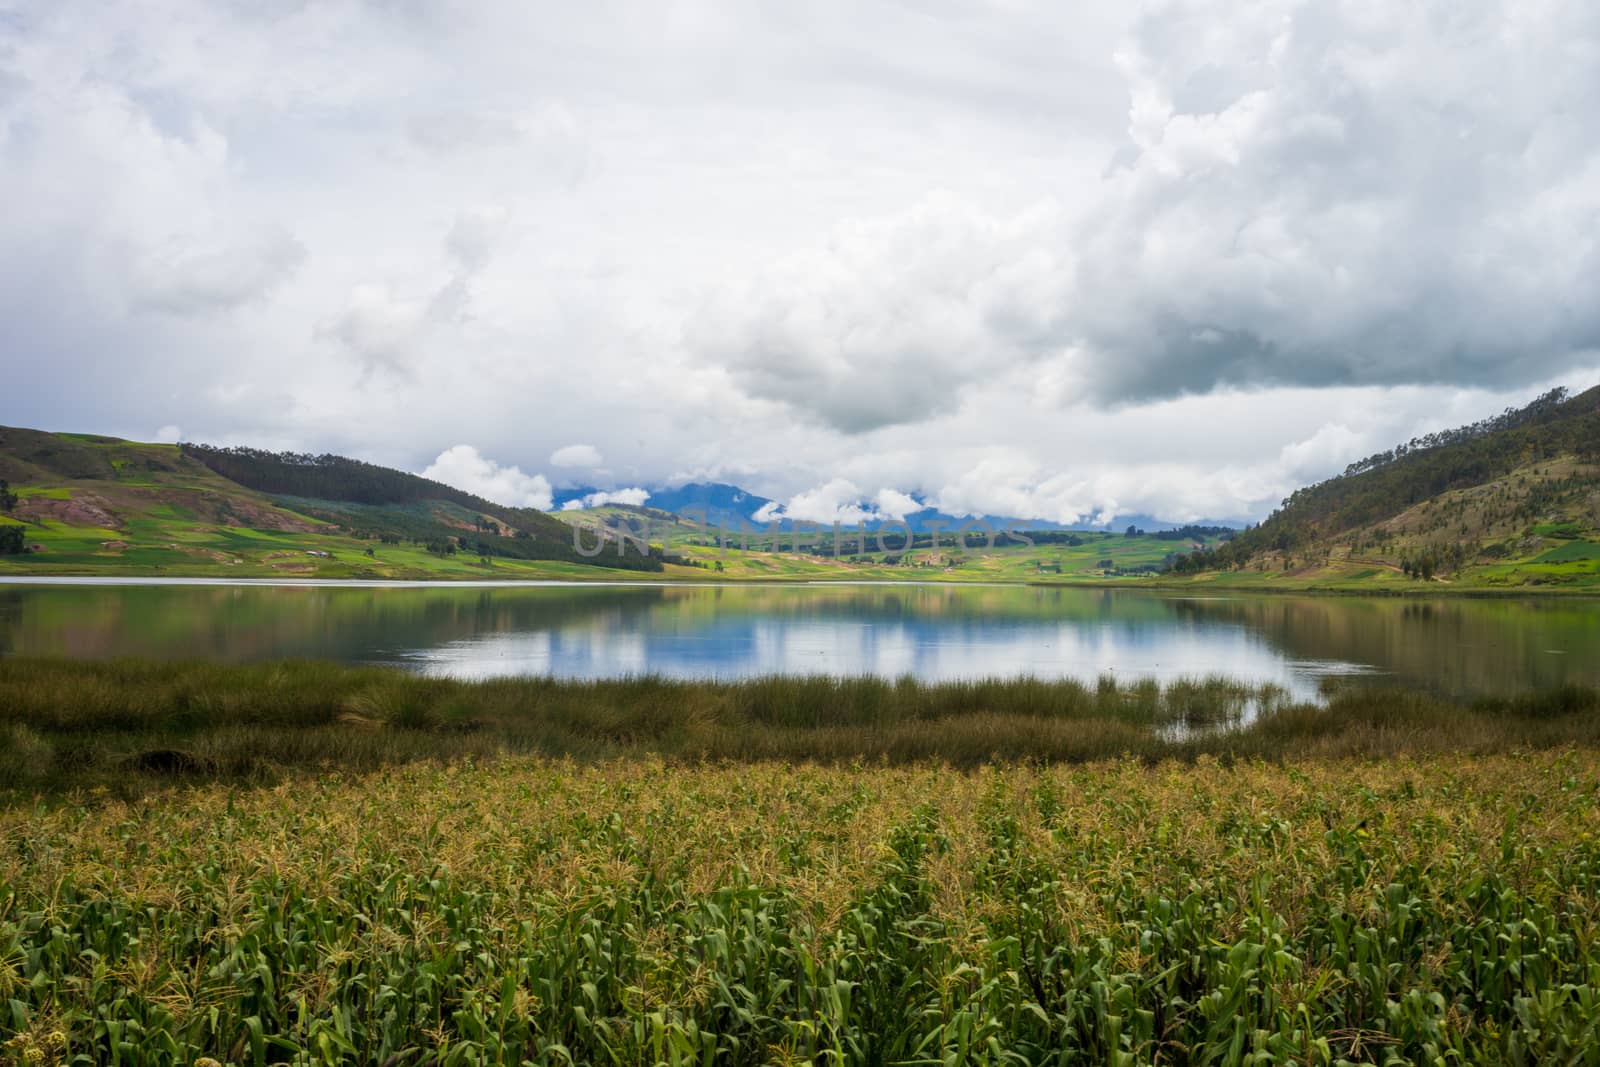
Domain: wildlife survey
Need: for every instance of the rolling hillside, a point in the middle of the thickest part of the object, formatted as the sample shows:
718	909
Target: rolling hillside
88	504
92	505
1510	501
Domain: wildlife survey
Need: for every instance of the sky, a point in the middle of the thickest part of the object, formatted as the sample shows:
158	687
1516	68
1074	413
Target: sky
1049	260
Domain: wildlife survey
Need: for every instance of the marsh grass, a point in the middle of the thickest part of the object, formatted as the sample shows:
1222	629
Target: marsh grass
68	725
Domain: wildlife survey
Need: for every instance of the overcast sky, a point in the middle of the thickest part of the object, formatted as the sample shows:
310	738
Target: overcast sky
1051	260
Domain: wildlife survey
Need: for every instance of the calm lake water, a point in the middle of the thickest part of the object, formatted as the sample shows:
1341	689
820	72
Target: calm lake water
1458	646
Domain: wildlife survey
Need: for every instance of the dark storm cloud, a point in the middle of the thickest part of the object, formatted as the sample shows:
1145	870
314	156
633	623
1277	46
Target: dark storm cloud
1335	193
1339	193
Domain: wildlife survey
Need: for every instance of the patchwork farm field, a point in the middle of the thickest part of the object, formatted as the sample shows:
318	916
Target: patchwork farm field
1099	557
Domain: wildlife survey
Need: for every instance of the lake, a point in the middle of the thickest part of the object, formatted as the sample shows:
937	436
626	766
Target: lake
1458	646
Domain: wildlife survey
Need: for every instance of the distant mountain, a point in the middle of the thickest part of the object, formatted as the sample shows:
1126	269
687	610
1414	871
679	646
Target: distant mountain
718	503
920	521
727	505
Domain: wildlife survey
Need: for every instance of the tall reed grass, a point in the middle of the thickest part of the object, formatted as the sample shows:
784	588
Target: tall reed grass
132	725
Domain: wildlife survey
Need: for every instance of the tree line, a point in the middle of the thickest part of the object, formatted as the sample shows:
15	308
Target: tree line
12	538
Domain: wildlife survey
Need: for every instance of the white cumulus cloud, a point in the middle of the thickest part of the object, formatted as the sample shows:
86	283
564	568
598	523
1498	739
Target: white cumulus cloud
633	496
893	504
840	500
463	467
1331	447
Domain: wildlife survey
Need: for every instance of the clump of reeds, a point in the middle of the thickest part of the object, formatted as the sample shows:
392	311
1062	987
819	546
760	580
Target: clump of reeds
67	724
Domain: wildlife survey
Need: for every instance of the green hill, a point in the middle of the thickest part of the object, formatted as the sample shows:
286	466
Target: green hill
1513	500
352	481
88	504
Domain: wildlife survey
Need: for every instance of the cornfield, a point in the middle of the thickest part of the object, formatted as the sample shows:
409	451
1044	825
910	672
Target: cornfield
527	910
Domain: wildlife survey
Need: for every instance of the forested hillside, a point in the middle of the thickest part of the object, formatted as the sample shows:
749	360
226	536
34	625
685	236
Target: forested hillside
1385	484
330	477
383	503
1514	487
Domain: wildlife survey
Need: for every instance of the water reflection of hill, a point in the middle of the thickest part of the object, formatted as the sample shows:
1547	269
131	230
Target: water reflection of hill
241	623
1461	646
257	622
1456	645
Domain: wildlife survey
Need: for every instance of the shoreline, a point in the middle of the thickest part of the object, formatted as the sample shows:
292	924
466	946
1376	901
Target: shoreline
1152	585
